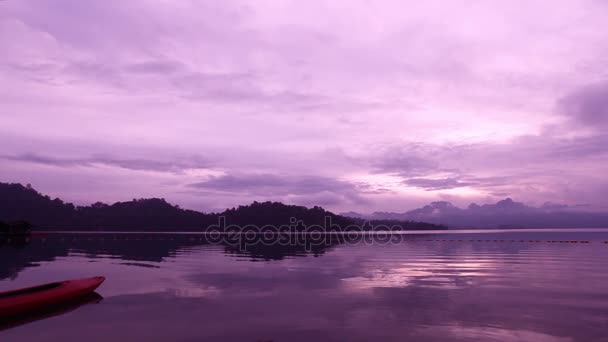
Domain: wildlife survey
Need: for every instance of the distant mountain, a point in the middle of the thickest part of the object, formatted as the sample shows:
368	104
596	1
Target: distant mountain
18	202
503	214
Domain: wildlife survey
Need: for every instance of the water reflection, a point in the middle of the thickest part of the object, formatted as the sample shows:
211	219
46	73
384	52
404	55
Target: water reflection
143	248
423	288
57	310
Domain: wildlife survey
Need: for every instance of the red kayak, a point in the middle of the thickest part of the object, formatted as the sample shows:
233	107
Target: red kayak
18	302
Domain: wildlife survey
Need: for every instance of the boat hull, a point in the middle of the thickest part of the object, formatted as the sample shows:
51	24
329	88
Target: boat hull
23	301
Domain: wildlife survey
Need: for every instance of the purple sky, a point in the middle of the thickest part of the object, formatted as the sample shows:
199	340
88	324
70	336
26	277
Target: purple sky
352	105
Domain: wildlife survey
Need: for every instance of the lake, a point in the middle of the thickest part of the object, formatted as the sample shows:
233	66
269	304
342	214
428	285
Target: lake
535	285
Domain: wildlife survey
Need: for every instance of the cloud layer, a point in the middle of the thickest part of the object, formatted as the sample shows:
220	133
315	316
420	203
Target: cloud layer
364	105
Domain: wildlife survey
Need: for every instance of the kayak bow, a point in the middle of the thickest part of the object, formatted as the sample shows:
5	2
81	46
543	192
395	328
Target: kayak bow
17	302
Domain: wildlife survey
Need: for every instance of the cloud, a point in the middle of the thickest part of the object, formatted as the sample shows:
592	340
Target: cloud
413	97
592	146
130	164
154	67
535	167
242	88
300	188
588	105
437	184
281	185
409	159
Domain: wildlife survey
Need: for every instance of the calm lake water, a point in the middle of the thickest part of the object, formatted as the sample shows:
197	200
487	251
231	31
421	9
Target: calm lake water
498	286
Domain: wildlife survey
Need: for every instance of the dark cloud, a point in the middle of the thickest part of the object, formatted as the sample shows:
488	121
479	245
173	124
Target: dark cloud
235	88
409	160
102	72
203	80
438	184
36	72
306	188
238	88
34	158
275	184
130	164
242	183
494	181
154	67
218	87
588	105
328	199
576	148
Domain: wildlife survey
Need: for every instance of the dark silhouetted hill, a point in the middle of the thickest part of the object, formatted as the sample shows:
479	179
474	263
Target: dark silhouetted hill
18	202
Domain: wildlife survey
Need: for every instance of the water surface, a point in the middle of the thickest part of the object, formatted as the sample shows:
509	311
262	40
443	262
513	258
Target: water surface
493	286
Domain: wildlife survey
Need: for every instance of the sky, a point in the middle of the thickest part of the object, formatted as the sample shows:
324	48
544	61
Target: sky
351	105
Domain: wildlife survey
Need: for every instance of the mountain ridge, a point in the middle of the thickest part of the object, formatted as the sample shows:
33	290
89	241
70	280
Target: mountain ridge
504	213
18	202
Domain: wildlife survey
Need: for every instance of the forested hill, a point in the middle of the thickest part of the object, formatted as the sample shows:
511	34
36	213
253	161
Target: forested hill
18	202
